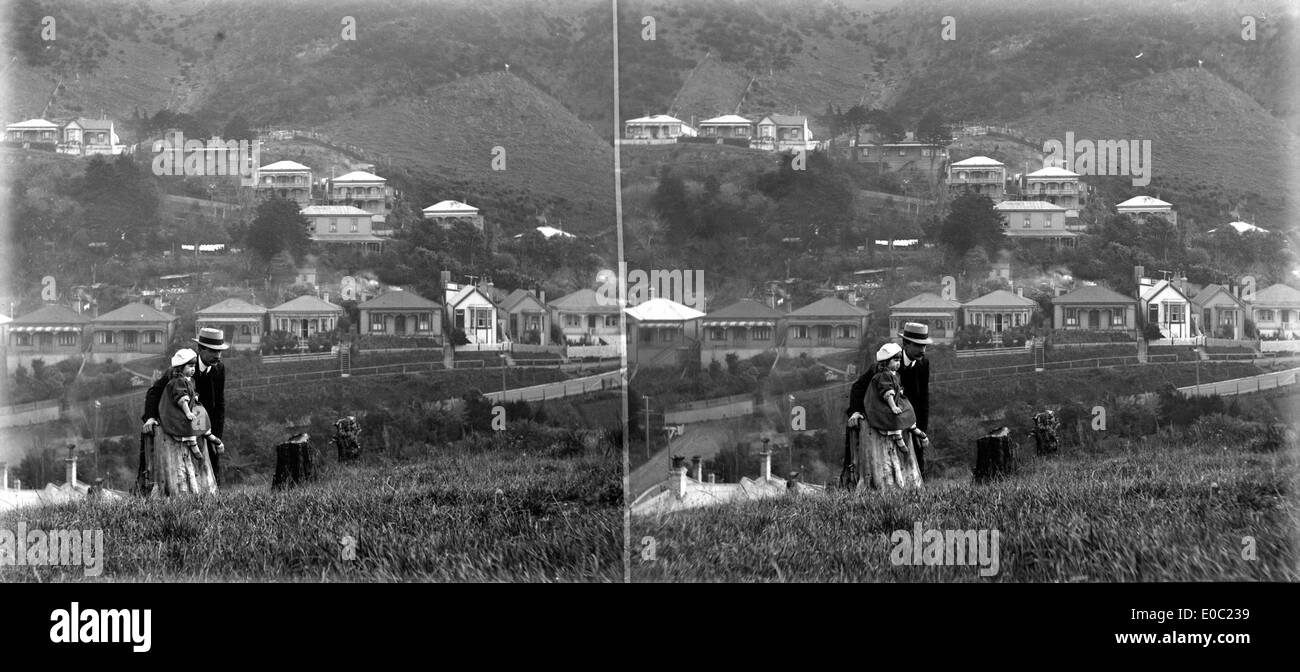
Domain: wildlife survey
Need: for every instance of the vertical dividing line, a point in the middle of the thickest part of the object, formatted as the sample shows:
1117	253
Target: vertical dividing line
622	317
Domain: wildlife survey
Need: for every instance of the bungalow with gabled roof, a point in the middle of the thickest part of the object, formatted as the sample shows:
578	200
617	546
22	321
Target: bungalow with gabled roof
587	318
400	313
87	137
238	319
447	213
473	312
1094	308
1217	313
825	326
135	327
528	320
940	314
728	126
32	130
305	316
656	129
745	328
1276	311
999	311
1141	207
52	333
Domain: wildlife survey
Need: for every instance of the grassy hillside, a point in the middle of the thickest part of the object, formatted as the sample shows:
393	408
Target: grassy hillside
1172	509
488	512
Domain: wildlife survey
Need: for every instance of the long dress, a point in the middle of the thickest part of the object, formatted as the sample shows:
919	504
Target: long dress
884	466
177	472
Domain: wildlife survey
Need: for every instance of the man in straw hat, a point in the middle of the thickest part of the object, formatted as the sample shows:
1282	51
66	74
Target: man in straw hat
209	383
914	375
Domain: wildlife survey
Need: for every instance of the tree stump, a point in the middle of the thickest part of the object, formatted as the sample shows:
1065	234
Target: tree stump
293	463
995	455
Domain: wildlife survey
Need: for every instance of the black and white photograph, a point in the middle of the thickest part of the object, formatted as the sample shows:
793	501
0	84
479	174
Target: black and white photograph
961	291
304	292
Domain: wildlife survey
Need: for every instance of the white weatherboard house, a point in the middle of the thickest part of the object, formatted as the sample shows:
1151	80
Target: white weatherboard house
1036	219
1165	306
363	190
656	129
33	130
978	175
1057	186
727	126
783	132
286	179
447	213
661	333
1276	311
474	313
1143	206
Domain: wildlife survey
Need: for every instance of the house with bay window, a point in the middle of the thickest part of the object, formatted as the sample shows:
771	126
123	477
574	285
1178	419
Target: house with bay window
745	328
1276	311
1095	308
999	311
473	312
1166	306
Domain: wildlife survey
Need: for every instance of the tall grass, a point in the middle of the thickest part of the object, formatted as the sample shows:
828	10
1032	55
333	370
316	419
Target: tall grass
488	512
1140	512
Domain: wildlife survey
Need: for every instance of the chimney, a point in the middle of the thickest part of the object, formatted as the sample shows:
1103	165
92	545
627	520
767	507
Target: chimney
1020	292
326	297
765	471
445	278
677	477
697	468
1138	273
541	296
70	474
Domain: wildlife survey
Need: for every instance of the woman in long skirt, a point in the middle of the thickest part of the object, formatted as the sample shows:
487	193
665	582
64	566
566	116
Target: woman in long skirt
883	465
180	472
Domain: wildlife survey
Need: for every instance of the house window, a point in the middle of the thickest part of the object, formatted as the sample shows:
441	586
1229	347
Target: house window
648	335
1265	316
866	151
1047	221
155	337
611	321
844	331
1018	318
1117	318
823	331
67	338
925	151
245	331
1153	313
1228	318
1174	311
1286	316
376	322
800	331
24	339
1026	220
979	319
717	334
1072	317
571	320
423	322
334	227
762	333
106	337
354	225
482	317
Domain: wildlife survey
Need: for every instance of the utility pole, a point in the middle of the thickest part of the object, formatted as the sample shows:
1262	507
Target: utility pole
647	427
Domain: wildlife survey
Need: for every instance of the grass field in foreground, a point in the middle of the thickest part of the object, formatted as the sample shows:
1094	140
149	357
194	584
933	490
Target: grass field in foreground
1145	513
458	516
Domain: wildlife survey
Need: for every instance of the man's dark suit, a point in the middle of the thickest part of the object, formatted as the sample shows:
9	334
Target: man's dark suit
211	388
915	380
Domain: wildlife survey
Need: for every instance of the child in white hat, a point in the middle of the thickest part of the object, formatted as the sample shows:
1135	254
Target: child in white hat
888	410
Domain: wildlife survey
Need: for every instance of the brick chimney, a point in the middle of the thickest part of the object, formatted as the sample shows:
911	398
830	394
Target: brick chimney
70	468
1020	292
697	468
677	477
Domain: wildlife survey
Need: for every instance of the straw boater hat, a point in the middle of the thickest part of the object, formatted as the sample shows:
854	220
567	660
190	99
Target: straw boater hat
212	339
916	332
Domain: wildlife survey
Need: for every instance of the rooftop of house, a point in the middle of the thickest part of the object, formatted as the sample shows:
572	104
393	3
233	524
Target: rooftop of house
660	309
727	119
284	165
521	297
450	206
399	299
1092	294
786	119
745	309
307	303
979	162
232	306
135	312
829	306
332	211
1052	172
1278	295
32	125
1242	227
655	119
1028	206
585	301
1000	298
359	176
52	314
1144	202
926	300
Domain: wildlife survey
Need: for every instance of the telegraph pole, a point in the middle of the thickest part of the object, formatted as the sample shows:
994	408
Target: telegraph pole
647	427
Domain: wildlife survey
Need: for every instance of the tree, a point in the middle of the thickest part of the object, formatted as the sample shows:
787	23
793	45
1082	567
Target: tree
278	227
932	131
972	221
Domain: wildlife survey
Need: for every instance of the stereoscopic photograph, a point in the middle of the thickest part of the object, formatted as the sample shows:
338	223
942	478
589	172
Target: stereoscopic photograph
960	291
305	292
